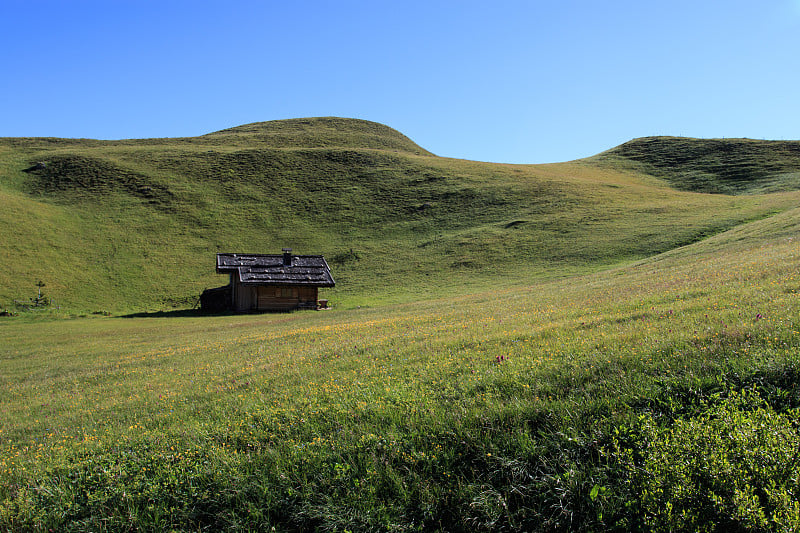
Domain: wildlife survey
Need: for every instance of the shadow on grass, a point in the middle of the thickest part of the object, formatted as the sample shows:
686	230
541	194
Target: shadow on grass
174	313
198	313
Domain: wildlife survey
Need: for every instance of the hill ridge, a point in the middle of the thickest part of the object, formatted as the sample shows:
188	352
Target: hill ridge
717	166
322	132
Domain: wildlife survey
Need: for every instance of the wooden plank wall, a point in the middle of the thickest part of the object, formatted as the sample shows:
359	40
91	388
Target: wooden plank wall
269	298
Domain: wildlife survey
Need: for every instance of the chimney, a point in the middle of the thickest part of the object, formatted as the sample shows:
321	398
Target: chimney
287	257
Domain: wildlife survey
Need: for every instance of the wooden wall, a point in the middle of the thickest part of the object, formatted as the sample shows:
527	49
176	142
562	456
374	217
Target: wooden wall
273	298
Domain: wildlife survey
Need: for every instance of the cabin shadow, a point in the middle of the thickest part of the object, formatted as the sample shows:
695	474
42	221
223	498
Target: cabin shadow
195	312
173	313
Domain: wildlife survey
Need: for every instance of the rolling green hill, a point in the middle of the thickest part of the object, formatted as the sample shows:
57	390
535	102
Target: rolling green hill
598	345
133	225
723	166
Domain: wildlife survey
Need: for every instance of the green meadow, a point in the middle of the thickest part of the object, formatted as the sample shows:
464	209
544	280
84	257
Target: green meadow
592	345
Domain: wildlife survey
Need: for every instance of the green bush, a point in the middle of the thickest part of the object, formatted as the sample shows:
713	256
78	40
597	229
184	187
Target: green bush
732	468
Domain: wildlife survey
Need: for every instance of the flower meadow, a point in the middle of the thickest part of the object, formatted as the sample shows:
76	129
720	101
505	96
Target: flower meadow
658	396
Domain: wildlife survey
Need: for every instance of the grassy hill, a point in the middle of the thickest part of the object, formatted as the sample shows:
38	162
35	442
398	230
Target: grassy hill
599	345
722	166
133	225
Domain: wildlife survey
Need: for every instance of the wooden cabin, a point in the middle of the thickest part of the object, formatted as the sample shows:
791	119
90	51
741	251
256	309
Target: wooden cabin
268	282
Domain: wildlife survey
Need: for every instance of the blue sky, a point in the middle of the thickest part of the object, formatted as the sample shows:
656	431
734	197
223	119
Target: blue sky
504	81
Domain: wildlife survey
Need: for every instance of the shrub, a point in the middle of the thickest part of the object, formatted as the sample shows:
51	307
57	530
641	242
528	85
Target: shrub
732	468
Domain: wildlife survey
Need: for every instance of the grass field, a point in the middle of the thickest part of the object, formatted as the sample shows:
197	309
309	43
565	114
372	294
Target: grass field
533	408
564	347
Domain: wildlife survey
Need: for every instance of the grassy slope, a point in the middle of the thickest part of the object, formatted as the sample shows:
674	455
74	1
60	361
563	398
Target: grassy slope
723	166
504	409
133	225
401	417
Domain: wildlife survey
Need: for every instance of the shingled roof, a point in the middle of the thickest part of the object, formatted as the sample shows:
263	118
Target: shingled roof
277	269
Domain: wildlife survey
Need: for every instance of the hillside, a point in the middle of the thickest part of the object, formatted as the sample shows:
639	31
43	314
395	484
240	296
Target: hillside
660	396
133	225
722	166
579	346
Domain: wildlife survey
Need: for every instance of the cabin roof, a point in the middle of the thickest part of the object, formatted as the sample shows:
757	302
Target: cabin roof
269	269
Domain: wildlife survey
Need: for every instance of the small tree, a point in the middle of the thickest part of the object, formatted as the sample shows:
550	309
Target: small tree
40	300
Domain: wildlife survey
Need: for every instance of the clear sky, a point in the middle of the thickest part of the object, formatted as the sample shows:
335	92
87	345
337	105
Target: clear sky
506	81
